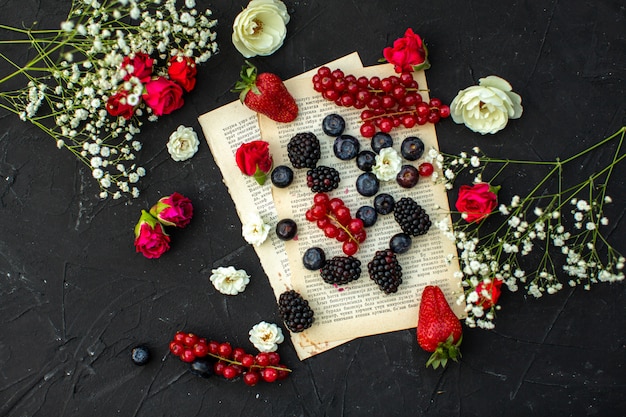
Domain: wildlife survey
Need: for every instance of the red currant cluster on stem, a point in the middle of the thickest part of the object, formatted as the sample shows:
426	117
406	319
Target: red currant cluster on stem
388	102
333	217
229	362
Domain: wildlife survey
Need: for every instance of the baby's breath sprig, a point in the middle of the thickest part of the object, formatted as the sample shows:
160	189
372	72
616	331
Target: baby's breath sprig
561	224
77	67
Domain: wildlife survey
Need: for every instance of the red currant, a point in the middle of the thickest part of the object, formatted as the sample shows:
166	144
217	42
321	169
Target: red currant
190	339
187	356
342	214
433	116
229	372
425	169
355	225
331	95
342	236
214	347
269	374
435	102
180	337
375	82
406	78
322	223
331	231
251	378
324	71
444	111
386	124
247	360
350	247
337	73
225	350
238	353
335	203
176	348
218	368
367	130
422	109
200	350
274	358
282	373
262	359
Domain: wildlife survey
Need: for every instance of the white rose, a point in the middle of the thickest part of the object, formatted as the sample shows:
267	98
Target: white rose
266	336
388	164
254	229
183	143
229	281
260	28
486	107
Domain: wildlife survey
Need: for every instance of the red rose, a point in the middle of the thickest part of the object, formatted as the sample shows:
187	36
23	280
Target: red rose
491	293
117	105
138	65
254	159
408	53
174	210
476	202
150	237
183	70
163	96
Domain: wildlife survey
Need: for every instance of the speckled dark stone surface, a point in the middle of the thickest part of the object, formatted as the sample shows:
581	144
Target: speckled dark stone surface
75	297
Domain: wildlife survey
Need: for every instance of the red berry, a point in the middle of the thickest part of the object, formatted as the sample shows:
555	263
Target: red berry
435	102
251	378
282	373
342	214
406	78
422	120
322	223
444	111
387	102
386	125
238	353
331	95
318	211
367	130
176	348
262	359
214	347
323	71
363	82
269	374
180	337
347	100
218	368
350	247
274	358
337	73
200	350
331	231
355	225
422	109
187	356
409	121
425	169
190	339
374	103
320	198
433	116
229	372
375	82
225	350
398	92
247	360
340	85
335	203
360	236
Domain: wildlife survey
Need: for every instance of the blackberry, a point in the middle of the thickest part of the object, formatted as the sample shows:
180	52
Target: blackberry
303	150
385	271
295	311
411	217
341	270
322	179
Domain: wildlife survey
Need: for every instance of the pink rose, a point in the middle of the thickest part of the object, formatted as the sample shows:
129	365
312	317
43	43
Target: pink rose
183	70
254	159
174	210
138	65
117	105
163	96
408	53
477	202
150	237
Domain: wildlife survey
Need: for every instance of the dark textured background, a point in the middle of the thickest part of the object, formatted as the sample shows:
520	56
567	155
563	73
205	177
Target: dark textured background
75	297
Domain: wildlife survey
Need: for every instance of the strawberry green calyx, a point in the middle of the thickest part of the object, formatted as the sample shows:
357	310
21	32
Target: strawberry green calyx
247	82
445	350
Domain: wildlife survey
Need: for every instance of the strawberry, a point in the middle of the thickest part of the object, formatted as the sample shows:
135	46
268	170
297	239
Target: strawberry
266	93
438	329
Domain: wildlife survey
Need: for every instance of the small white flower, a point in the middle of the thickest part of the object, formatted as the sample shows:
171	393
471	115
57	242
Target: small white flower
260	28
475	161
228	280
487	107
183	143
254	229
266	336
388	164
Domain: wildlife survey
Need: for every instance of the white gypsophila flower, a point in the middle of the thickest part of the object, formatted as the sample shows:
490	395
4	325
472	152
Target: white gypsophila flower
388	164
228	280
266	336
260	29
486	107
254	229
183	143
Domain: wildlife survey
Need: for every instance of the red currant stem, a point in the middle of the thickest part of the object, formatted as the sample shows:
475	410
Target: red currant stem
350	235
378	90
233	362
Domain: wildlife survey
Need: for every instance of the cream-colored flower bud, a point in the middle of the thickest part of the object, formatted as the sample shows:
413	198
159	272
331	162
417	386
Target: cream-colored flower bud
260	28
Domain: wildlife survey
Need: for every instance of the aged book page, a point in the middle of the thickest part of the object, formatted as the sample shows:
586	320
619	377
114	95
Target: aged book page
359	308
225	129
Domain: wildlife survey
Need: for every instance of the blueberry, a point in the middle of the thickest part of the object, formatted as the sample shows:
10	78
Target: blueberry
384	203
286	229
140	355
346	147
368	215
201	367
400	243
408	176
333	125
412	148
367	184
381	140
365	160
314	259
282	176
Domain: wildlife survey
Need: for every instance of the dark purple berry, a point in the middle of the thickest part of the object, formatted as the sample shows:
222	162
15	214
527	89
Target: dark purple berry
282	176
365	160
383	203
381	140
346	147
368	215
140	355
400	243
367	184
412	148
314	259
408	176
286	229
333	125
